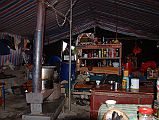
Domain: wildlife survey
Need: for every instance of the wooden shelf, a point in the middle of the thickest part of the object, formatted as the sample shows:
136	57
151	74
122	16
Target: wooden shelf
99	56
107	70
99	46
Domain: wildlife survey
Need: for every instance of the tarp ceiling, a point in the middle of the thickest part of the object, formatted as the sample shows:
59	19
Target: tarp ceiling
139	18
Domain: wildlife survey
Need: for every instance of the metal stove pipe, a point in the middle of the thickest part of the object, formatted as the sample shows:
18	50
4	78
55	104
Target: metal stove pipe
38	47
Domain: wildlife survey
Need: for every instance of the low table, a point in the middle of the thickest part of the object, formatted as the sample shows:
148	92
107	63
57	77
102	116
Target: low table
129	109
102	93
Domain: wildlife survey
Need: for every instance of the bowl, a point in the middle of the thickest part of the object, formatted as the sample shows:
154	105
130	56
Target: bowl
115	64
112	102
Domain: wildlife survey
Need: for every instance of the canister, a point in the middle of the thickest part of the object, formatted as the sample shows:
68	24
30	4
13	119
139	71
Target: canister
134	83
145	113
116	86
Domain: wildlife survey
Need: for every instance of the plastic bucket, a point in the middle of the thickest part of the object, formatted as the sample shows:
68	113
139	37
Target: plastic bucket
64	73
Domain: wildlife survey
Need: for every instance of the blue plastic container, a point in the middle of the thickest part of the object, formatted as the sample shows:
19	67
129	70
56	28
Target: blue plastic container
64	73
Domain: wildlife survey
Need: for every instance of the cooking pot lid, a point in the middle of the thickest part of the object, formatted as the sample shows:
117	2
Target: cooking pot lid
48	67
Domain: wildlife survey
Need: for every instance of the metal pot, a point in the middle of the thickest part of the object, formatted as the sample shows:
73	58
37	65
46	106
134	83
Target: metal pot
47	77
47	84
48	72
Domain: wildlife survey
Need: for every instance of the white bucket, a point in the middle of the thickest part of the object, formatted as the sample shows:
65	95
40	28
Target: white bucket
134	83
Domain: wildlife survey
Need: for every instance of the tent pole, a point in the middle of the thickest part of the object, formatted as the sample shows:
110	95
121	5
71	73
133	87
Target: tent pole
69	99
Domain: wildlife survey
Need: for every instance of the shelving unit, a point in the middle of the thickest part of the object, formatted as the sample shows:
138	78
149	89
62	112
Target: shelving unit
101	57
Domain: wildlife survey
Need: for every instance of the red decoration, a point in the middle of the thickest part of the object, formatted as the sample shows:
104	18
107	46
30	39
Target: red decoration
137	50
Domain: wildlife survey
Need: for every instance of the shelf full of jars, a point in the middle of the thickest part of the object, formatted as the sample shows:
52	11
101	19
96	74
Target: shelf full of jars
101	58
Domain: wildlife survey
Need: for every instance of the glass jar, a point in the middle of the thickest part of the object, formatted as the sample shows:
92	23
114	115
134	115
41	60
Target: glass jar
145	113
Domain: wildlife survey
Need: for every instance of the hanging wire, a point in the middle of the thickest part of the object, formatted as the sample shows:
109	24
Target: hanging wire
58	13
116	28
94	30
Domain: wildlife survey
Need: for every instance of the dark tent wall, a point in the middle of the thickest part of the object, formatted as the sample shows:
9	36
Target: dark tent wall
149	52
53	49
138	18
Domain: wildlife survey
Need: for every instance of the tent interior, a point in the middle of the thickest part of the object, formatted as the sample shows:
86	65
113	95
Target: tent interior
131	19
132	22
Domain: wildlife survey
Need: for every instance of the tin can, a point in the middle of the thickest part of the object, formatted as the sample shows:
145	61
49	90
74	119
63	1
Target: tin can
116	86
145	113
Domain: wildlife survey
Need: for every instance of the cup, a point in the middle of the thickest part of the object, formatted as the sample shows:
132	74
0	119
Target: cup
97	82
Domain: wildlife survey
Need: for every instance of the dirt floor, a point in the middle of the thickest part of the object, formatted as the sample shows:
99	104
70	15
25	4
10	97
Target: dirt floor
78	111
16	106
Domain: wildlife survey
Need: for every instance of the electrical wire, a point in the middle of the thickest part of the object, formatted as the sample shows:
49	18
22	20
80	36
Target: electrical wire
58	13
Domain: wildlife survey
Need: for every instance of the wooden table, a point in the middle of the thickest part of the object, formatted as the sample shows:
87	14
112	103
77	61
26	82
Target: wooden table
102	93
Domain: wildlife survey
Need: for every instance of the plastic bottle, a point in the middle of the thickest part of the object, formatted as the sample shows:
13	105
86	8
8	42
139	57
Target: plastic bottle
117	52
127	82
126	77
100	54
